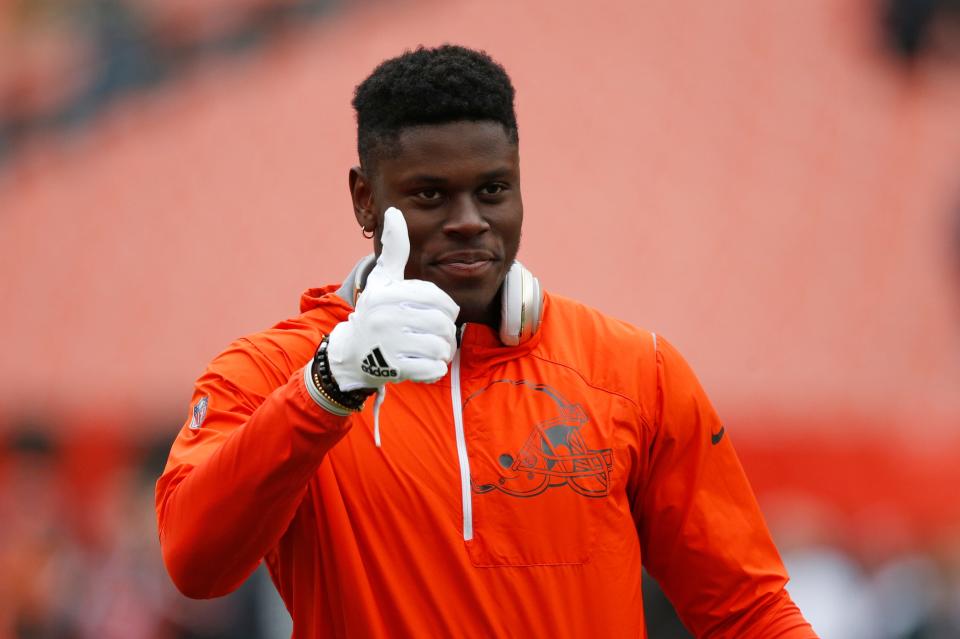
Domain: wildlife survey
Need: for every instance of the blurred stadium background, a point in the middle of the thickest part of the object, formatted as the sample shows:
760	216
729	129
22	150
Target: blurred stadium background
773	185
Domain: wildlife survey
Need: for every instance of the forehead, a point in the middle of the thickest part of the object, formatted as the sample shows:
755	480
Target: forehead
452	147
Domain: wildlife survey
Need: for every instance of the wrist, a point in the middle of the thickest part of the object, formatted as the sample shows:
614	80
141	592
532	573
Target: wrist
320	398
323	381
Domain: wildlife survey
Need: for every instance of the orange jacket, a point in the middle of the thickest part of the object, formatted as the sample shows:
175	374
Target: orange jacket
516	497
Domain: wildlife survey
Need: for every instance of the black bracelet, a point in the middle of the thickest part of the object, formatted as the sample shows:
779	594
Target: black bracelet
324	381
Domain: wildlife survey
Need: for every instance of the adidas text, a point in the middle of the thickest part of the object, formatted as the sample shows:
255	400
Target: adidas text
378	372
376	366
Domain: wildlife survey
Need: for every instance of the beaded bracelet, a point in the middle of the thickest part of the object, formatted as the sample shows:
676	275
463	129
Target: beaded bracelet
323	379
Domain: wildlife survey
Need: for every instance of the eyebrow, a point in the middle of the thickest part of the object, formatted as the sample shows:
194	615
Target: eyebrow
497	173
424	178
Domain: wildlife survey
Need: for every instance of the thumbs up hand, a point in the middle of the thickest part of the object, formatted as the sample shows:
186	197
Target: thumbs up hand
395	251
401	329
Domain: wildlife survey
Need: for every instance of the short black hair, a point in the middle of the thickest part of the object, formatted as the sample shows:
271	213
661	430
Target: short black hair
448	83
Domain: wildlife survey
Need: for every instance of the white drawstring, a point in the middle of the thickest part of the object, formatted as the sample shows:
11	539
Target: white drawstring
381	395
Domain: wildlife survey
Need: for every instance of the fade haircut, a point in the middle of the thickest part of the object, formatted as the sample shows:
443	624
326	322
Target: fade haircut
430	86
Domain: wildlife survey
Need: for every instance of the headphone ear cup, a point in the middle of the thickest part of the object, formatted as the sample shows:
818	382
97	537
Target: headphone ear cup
521	304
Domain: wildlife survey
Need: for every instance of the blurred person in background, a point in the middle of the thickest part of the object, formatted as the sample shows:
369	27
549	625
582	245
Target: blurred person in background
31	541
515	489
62	62
78	559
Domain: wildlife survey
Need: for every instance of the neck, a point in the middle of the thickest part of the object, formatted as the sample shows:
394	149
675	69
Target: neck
489	316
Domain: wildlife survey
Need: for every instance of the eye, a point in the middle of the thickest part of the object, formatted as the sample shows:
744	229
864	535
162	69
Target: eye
429	195
493	189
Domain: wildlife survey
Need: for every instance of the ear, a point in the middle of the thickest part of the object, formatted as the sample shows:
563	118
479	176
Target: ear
361	192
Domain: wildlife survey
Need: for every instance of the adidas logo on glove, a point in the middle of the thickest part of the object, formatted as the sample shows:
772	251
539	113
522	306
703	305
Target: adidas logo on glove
374	364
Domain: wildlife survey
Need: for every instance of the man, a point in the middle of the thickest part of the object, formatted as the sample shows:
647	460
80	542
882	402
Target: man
524	453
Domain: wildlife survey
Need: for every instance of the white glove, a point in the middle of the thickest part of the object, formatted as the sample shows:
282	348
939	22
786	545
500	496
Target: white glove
401	329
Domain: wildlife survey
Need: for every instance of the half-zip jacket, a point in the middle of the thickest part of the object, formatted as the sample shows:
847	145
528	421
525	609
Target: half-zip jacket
517	496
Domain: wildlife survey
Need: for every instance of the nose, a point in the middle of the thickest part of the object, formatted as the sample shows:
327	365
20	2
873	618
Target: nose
465	218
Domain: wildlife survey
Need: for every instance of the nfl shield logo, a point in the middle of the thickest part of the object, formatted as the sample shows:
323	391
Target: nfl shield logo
199	413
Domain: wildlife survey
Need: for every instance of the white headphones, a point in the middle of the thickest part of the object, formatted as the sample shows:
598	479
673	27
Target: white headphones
521	300
521	305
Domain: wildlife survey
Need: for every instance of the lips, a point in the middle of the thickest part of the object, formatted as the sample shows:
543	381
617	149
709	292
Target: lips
465	263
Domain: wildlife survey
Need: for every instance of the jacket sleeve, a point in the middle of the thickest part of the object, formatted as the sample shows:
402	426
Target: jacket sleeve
703	536
232	485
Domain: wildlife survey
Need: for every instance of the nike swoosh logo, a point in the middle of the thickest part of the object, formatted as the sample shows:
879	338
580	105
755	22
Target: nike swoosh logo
716	437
